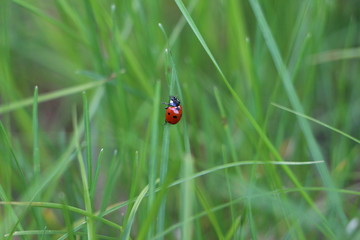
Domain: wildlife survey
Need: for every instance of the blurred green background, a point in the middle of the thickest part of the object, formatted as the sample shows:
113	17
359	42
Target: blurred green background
103	68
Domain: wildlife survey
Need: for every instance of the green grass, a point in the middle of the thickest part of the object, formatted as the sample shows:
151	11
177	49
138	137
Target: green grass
267	147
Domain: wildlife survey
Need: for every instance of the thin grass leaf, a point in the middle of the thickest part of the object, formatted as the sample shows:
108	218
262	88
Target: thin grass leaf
318	122
7	144
153	164
67	220
36	158
96	174
164	153
12	214
206	206
234	227
51	96
45	233
84	178
61	206
89	166
127	230
112	176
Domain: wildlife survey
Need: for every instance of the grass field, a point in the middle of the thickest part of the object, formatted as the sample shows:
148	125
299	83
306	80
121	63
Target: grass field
267	148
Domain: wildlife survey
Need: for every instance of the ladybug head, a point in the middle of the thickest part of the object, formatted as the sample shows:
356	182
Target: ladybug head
174	102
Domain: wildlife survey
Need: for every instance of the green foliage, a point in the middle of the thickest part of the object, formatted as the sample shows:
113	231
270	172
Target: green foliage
267	147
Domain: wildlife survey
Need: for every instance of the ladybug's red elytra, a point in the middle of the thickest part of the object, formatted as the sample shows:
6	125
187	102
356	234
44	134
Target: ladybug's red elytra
173	111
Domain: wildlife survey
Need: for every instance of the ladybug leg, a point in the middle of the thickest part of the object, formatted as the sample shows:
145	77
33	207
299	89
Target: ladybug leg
166	104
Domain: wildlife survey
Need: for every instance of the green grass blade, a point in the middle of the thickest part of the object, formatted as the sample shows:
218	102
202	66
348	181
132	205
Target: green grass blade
36	158
153	164
96	174
126	234
87	199
204	202
6	141
164	153
112	176
89	168
51	96
61	206
68	223
230	234
318	122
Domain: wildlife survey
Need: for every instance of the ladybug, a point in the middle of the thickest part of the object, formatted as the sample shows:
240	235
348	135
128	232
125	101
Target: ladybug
173	111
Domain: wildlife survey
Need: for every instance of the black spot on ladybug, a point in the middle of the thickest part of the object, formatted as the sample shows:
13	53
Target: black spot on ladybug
168	113
174	116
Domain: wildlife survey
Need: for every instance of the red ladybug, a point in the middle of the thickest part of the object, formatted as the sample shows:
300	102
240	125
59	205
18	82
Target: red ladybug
173	111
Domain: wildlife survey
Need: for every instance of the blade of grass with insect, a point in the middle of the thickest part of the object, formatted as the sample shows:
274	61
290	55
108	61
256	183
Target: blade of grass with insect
166	137
313	146
84	178
187	189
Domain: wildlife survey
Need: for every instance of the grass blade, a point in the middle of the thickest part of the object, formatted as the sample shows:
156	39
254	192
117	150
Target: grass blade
318	122
296	104
153	164
96	175
36	158
84	178
51	96
88	141
126	234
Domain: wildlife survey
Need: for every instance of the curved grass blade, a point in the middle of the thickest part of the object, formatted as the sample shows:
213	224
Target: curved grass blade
318	122
126	234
